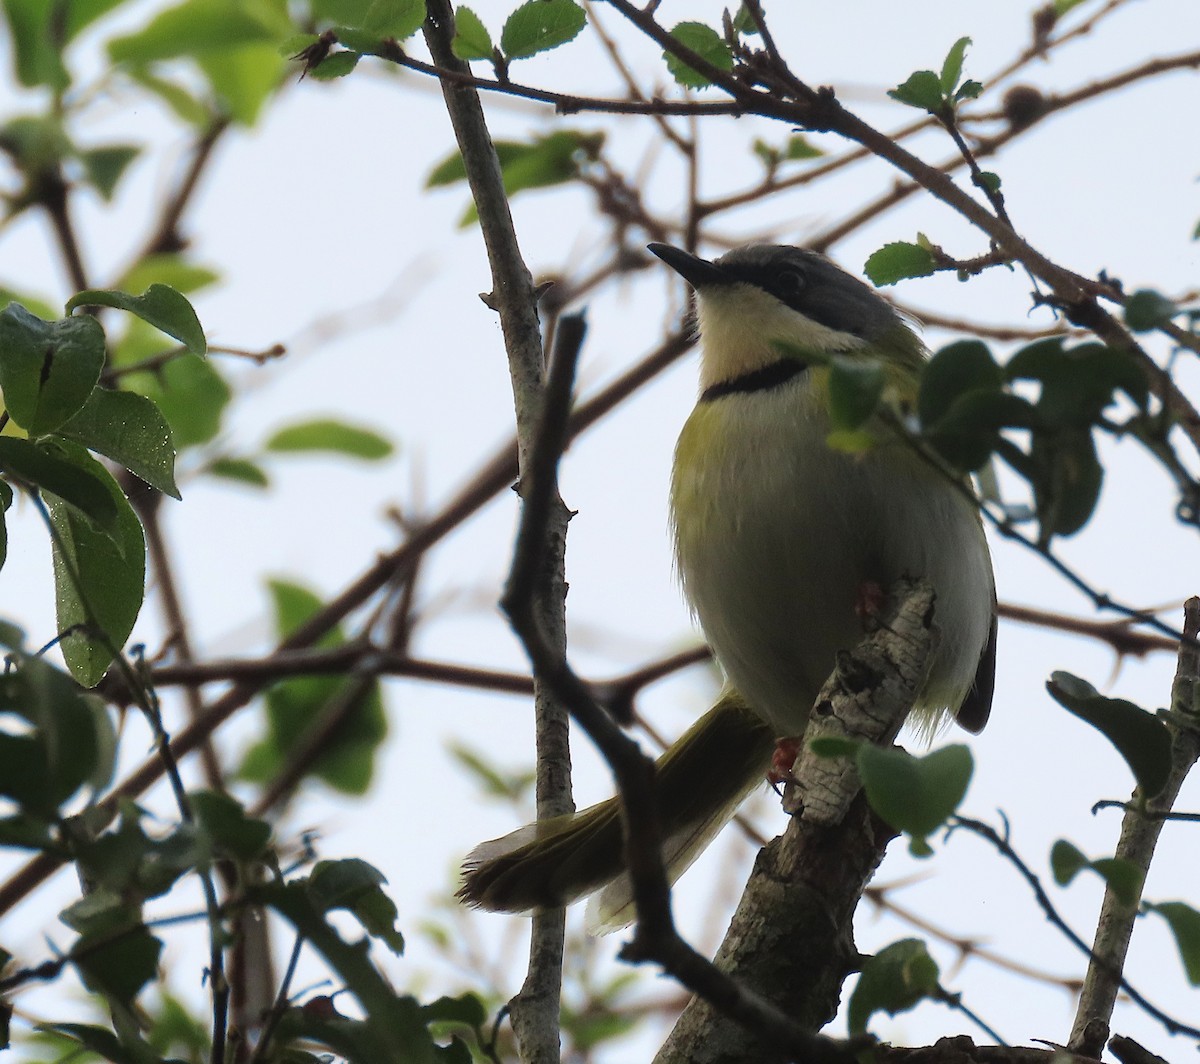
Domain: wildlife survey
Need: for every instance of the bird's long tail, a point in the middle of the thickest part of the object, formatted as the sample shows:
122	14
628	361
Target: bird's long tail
700	782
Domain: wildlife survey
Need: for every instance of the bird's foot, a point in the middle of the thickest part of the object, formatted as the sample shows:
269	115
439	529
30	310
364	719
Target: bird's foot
787	750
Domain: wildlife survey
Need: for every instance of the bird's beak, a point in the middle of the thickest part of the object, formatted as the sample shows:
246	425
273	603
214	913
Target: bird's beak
698	272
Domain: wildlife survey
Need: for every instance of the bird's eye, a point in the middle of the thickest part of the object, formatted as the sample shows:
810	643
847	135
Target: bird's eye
790	282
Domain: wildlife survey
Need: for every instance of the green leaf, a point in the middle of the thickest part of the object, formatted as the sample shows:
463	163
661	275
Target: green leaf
240	469
47	368
923	90
968	434
915	795
336	65
1079	382
895	980
191	395
399	19
185	106
160	306
855	388
331	436
129	429
706	43
356	886
988	181
69	740
897	262
173	270
44	467
970	90
799	147
1140	737
120	967
952	66
298	711
105	166
99	580
196	27
1066	476
224	819
1185	926
539	25
243	78
37	54
466	1009
1147	310
471	38
1122	876
98	1040
545	161
956	370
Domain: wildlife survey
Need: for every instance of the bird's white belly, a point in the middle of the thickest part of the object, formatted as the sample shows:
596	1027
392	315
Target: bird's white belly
776	534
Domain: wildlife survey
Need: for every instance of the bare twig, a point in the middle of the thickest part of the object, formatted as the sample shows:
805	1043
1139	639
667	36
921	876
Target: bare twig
1139	836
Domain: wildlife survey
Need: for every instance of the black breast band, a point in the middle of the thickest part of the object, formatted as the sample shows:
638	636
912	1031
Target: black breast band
758	380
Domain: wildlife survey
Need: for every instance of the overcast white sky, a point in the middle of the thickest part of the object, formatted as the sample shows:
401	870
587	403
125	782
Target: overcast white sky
321	210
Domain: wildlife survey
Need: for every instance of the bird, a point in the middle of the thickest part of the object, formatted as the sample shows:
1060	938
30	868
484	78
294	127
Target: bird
781	542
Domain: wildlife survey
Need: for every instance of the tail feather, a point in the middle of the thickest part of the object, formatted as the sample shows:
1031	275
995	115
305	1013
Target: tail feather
700	782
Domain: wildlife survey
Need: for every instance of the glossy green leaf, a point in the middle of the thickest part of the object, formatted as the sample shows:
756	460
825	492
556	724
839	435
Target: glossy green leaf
1140	737
129	429
539	25
707	43
922	89
47	368
952	66
99	581
915	795
471	38
240	469
1147	309
160	306
970	90
106	166
895	980
897	262
46	468
855	388
357	887
1184	922
223	818
331	436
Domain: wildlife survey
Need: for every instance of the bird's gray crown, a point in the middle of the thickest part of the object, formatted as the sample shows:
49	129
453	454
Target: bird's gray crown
812	285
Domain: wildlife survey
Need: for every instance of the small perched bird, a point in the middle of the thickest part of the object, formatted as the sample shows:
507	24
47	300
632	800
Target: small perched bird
780	541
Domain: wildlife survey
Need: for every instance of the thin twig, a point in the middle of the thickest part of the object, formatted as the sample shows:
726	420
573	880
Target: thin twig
1002	846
